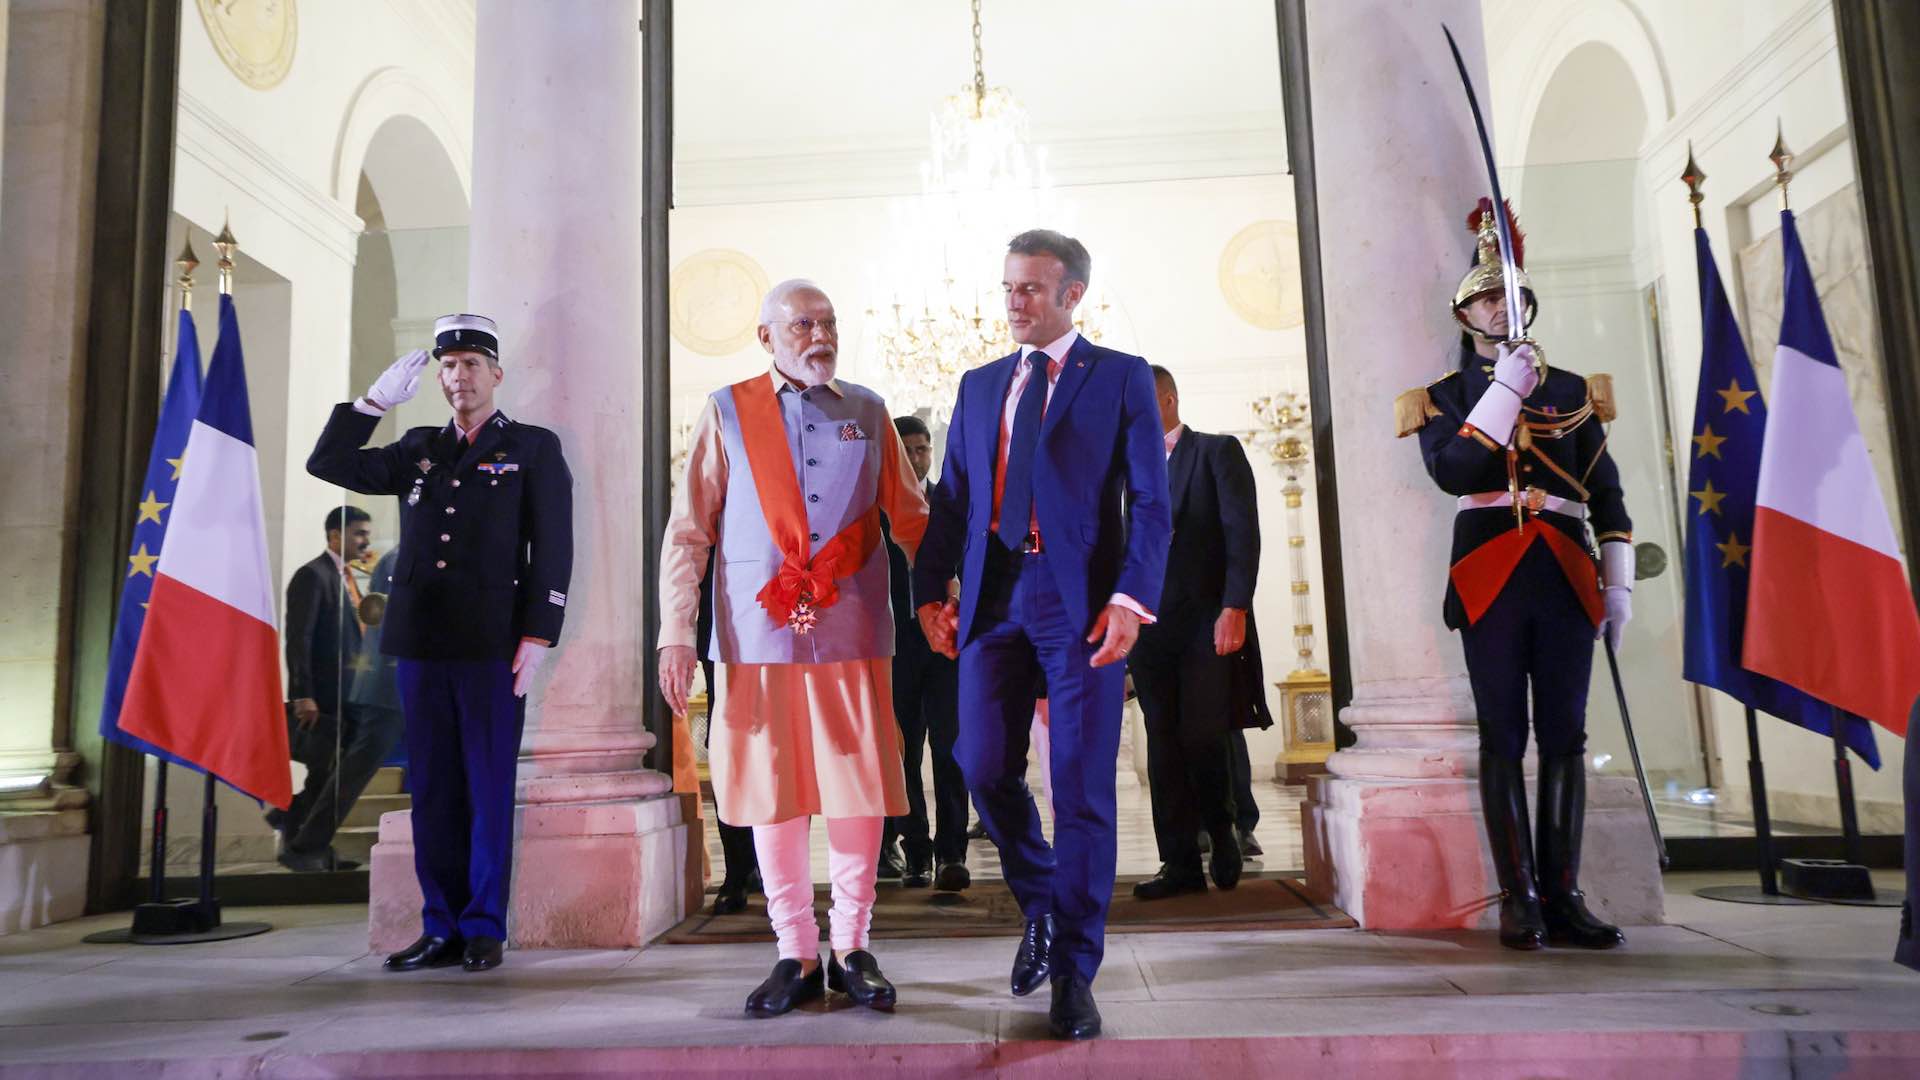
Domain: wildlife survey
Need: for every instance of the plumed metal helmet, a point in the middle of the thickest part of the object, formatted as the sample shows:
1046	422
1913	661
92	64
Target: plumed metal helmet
1485	275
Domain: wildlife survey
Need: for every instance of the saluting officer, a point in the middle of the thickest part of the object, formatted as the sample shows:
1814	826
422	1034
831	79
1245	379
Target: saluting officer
1522	447
486	548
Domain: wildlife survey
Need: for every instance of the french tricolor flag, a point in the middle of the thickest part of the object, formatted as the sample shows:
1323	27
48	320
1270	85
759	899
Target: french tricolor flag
206	679
1829	611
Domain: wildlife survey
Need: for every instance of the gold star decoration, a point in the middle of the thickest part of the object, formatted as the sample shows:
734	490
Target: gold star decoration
1735	397
1707	444
176	462
1709	499
142	563
150	509
1733	552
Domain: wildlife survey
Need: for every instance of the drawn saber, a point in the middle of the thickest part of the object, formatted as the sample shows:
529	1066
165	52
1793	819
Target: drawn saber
1509	276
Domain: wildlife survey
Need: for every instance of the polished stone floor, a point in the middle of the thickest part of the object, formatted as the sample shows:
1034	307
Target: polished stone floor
1784	991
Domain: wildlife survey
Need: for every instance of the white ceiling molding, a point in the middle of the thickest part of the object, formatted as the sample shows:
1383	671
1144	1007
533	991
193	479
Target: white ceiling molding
202	134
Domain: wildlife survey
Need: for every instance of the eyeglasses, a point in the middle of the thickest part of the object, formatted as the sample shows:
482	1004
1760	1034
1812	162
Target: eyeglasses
804	327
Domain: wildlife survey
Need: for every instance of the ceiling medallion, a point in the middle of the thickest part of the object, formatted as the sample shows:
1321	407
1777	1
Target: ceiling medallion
255	38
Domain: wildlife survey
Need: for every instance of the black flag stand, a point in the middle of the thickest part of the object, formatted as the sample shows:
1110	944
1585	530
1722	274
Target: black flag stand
1838	881
1768	891
161	921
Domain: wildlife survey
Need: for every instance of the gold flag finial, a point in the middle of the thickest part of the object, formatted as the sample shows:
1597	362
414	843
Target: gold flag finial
1782	162
186	261
1693	176
226	245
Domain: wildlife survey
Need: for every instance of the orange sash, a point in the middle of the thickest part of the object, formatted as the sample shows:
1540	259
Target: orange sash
1480	576
802	586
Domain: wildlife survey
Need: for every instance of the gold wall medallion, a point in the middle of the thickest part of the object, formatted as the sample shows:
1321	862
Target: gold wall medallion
1260	275
255	38
714	300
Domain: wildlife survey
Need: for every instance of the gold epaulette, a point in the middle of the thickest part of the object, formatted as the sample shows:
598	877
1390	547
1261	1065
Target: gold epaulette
1600	393
1413	409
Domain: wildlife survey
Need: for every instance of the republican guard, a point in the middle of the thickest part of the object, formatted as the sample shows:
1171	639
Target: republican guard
486	549
1522	448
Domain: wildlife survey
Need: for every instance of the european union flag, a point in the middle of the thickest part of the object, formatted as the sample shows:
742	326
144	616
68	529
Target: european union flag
1729	426
169	452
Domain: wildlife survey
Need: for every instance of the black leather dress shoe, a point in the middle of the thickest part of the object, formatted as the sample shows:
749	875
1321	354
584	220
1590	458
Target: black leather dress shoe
483	954
1169	882
1225	863
887	867
730	899
952	877
978	831
918	874
1073	1015
1249	847
1035	958
786	987
860	980
426	952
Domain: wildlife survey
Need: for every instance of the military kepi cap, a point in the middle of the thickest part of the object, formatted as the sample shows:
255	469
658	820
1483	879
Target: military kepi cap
466	333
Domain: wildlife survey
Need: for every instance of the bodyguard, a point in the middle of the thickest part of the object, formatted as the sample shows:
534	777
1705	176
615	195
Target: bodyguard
486	548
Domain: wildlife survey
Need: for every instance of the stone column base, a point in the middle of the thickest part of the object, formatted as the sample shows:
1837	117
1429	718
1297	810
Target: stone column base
586	875
43	868
1412	854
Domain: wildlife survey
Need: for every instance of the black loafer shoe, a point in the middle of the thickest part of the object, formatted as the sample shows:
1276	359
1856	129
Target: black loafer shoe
787	987
1073	1015
1225	863
1035	958
1169	882
887	867
483	954
918	874
1249	847
860	980
730	900
952	877
427	951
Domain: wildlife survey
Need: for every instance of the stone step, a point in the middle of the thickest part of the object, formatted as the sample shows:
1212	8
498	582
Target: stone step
368	809
356	842
386	781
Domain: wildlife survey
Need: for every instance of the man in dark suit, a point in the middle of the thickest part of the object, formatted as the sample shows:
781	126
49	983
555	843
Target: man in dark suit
925	702
486	551
1052	509
323	638
1197	669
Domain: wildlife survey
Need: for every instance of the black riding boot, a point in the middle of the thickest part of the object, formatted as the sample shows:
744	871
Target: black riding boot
1563	809
1503	801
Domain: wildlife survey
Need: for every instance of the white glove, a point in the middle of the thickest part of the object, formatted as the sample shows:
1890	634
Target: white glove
399	382
526	664
1515	369
1616	577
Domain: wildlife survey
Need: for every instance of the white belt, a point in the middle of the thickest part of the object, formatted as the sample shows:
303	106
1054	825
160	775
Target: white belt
1532	498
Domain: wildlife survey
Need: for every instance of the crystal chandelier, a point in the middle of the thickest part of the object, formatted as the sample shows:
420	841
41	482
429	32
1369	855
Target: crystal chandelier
983	181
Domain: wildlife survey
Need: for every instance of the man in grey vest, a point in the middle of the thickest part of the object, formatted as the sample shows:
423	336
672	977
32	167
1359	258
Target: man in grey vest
787	475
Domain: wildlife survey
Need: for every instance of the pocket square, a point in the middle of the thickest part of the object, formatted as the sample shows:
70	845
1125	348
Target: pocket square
850	432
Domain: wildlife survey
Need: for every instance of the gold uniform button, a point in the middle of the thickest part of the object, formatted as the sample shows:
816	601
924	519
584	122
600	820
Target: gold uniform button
444	537
449	509
441	564
456	483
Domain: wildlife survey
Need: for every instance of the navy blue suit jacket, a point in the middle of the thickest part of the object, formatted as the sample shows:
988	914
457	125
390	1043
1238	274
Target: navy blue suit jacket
1099	486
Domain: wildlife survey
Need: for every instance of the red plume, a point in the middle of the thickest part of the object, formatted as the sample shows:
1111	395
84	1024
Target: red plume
1513	225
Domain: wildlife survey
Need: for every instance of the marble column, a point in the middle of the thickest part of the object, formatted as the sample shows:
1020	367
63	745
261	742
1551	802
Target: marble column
1393	831
50	59
555	258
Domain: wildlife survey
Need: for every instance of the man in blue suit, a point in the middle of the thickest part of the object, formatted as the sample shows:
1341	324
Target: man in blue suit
1052	508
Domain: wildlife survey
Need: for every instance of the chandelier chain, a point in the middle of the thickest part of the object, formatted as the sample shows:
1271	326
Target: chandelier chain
979	62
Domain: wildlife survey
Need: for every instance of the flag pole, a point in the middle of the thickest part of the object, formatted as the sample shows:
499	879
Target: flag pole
1762	817
1769	889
